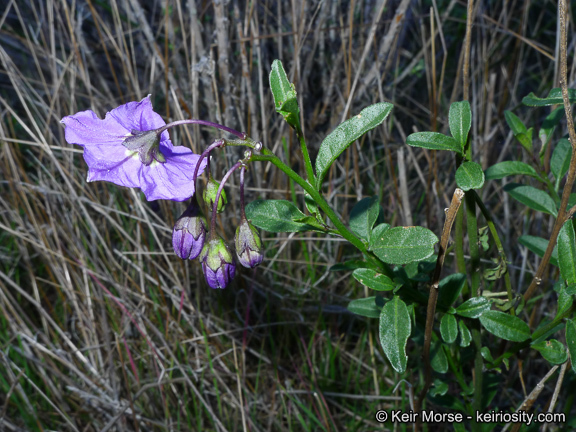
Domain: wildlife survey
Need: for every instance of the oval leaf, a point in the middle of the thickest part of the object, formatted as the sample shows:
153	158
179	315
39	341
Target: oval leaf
374	280
560	160
284	95
276	216
474	307
439	361
505	326
509	168
460	120
534	198
523	135
465	336
365	307
567	252
402	245
538	245
553	98
377	233
433	141
363	216
346	133
552	350
450	288
395	328
448	328
469	175
571	341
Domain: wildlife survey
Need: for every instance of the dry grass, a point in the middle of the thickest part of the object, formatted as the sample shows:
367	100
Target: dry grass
91	334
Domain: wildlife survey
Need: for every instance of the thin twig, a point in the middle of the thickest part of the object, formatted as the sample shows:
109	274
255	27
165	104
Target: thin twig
563	215
451	213
531	398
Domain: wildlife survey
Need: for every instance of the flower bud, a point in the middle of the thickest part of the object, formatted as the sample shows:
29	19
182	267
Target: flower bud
217	263
248	245
189	234
210	195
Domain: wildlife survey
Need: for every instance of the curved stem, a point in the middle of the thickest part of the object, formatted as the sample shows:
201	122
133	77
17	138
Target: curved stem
205	153
220	188
240	135
568	186
345	232
242	212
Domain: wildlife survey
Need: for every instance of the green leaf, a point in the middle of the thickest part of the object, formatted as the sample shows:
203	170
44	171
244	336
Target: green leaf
448	328
402	245
523	135
509	168
571	341
450	288
485	351
374	280
365	307
439	361
548	127
395	328
565	302
560	160
538	245
474	307
567	252
553	98
469	175
552	350
346	133
284	95
505	326
439	388
460	121
277	216
465	336
534	198
377	233
433	141
363	216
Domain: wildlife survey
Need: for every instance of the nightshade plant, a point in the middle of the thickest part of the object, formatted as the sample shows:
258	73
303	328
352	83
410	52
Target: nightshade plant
131	147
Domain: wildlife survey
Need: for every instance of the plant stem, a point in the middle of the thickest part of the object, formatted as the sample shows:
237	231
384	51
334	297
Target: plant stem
496	237
433	297
307	161
240	135
206	153
268	156
562	214
218	193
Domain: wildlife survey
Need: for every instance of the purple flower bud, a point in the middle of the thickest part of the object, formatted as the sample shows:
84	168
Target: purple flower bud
210	195
189	234
217	263
248	245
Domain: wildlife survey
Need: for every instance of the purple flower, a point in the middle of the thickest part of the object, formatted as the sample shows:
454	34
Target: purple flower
217	263
189	232
125	150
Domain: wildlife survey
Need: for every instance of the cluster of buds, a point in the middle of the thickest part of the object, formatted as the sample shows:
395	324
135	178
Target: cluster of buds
189	237
131	147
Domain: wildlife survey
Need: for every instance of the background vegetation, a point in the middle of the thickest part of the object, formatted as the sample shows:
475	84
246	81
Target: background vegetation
91	335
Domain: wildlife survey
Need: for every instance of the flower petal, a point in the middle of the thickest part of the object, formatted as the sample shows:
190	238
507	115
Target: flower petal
138	116
171	180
